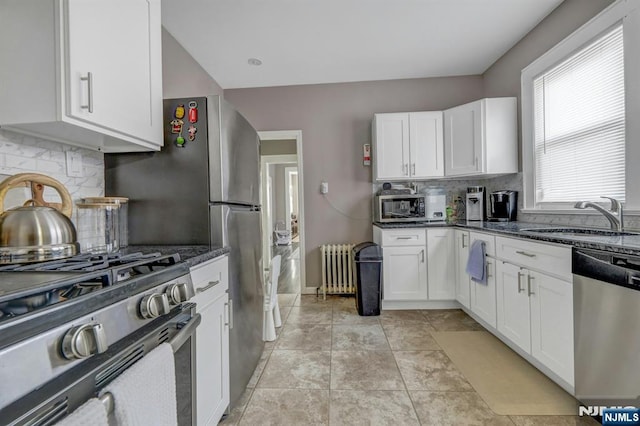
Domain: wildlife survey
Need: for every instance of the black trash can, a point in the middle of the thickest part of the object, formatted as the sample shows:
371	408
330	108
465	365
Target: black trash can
368	274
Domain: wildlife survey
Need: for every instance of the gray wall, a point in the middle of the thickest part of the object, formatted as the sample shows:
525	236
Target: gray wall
335	120
503	79
182	76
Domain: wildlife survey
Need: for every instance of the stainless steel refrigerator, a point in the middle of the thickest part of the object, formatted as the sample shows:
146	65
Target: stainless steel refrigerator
204	189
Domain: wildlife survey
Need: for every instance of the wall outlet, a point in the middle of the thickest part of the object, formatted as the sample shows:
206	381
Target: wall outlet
74	164
324	187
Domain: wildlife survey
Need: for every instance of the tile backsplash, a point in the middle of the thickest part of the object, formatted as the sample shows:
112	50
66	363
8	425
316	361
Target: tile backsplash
21	154
514	182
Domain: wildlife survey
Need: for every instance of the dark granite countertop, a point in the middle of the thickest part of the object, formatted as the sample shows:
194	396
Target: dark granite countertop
192	254
627	244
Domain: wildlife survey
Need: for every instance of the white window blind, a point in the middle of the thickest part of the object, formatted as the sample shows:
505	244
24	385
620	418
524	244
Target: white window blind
579	125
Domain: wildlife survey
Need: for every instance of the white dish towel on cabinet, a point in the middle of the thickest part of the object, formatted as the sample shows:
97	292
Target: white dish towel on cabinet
145	393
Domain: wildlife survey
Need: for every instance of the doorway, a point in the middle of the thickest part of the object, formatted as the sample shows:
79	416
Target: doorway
283	206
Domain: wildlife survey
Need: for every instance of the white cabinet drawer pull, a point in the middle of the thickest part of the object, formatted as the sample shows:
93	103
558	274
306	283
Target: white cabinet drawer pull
406	238
524	253
208	286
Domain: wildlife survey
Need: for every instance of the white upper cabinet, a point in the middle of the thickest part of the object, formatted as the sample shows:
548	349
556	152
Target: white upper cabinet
480	138
408	145
93	72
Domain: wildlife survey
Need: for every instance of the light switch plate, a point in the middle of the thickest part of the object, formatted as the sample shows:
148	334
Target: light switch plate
74	164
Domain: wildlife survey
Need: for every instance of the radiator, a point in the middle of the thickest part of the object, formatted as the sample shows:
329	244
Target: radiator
337	269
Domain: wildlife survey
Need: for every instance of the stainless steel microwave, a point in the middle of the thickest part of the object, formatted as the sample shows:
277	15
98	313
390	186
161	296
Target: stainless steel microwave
400	208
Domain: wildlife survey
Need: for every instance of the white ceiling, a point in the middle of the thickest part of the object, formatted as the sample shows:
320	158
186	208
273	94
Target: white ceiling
329	41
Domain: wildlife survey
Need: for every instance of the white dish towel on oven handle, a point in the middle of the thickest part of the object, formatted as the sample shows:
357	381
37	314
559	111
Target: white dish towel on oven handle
91	413
145	393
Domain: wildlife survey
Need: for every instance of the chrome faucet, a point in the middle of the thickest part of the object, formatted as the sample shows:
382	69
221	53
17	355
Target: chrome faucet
613	215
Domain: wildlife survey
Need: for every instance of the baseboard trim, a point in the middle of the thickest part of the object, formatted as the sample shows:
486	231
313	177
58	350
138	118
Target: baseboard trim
419	304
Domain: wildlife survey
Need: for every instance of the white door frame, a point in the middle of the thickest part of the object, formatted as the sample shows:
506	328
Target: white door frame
288	171
297	135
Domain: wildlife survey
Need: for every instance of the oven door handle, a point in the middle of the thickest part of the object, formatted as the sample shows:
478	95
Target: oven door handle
185	332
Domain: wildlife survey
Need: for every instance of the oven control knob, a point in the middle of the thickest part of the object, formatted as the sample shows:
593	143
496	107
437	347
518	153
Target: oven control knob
178	293
83	341
154	305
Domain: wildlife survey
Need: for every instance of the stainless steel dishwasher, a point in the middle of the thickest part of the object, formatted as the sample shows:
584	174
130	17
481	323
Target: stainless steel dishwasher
606	288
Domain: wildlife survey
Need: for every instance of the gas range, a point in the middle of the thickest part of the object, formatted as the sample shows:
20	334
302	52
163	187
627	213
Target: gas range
54	315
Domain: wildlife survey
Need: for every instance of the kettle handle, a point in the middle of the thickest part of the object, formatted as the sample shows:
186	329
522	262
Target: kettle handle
13	181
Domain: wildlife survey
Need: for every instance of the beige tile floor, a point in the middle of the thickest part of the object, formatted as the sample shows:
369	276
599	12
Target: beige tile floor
330	366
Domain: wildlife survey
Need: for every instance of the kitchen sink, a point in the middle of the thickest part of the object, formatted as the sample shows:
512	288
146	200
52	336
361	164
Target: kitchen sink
578	232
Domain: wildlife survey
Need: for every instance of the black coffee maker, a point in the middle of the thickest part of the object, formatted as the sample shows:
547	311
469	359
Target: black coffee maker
503	206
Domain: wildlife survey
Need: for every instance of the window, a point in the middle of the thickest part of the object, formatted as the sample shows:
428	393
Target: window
579	133
581	116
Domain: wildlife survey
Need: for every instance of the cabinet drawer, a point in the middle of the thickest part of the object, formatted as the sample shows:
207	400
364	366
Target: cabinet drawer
404	237
549	258
209	272
489	242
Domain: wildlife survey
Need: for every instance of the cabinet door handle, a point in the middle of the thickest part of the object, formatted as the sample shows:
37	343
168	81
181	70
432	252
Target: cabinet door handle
226	314
520	275
529	278
413	168
422	254
230	314
89	80
463	244
524	253
476	163
486	268
208	286
406	169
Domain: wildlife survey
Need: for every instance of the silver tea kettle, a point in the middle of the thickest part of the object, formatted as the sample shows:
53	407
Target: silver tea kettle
36	232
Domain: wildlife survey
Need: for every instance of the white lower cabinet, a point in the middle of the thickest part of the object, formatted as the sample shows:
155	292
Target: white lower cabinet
513	305
482	301
441	264
405	273
483	296
552	323
211	283
418	269
462	285
535	312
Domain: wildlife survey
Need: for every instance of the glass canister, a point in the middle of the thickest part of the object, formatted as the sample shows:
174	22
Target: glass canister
123	214
98	227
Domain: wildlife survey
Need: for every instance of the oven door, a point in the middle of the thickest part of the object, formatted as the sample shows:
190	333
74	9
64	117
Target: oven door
59	397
